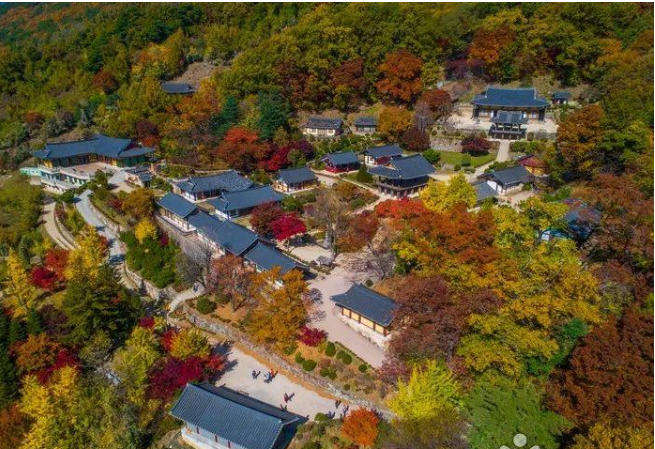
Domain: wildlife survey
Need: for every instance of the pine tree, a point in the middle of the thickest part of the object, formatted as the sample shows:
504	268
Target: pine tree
8	379
363	175
228	117
273	113
33	323
16	332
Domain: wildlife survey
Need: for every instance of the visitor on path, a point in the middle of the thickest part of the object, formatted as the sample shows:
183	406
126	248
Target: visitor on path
254	374
286	398
337	403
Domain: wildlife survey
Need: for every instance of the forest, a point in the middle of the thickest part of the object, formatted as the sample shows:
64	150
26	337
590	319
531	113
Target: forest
501	331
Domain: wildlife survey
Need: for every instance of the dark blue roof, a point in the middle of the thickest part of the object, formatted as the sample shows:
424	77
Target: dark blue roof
384	151
369	304
512	175
484	191
323	123
229	181
296	175
410	167
177	205
177	88
245	199
366	121
561	95
512	117
99	144
267	258
581	219
505	97
250	423
228	235
342	158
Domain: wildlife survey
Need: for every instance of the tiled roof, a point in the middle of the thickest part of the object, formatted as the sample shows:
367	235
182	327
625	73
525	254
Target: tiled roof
384	151
267	258
177	88
229	181
512	175
369	304
323	123
366	121
342	158
484	191
226	234
245	199
296	175
177	205
410	167
581	219
561	95
249	423
99	144
505	97
512	117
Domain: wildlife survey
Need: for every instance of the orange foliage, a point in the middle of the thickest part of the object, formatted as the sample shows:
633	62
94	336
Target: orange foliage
361	426
401	76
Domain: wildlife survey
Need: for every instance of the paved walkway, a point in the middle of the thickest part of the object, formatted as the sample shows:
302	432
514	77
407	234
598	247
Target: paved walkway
55	233
304	402
503	151
338	281
116	253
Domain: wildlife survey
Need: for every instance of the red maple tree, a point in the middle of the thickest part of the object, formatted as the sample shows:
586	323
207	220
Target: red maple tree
287	225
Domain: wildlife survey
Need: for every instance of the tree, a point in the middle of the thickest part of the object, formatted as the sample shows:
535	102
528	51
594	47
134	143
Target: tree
145	229
105	81
42	277
85	261
360	230
273	114
8	382
442	196
36	353
543	215
330	212
13	426
402	209
607	436
139	203
376	257
475	145
363	175
400	76
394	121
148	134
263	216
241	149
497	412
56	260
229	276
608	373
286	226
190	343
438	103
21	295
280	311
578	139
193	265
361	426
349	84
415	139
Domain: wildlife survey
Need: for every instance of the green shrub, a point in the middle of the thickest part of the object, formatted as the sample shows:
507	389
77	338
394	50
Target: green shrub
357	203
330	349
466	160
299	358
347	359
222	298
431	156
363	175
346	387
457	167
290	349
204	305
320	417
315	444
309	365
363	368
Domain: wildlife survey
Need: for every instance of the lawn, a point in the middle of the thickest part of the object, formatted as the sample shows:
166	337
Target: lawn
453	158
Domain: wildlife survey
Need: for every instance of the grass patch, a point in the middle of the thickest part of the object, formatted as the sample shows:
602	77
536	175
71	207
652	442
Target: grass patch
453	158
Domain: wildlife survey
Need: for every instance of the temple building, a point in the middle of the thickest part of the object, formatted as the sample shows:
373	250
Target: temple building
381	155
322	127
366	125
198	188
403	176
522	100
508	125
295	179
366	307
341	162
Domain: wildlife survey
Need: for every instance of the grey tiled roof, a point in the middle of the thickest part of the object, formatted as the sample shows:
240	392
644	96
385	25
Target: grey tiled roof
226	234
99	144
267	258
342	158
249	423
512	117
245	199
410	167
229	181
369	304
506	97
384	151
177	205
561	95
484	191
366	121
323	123
177	88
512	175
296	175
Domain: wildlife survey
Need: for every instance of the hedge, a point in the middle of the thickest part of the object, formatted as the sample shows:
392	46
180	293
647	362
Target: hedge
309	365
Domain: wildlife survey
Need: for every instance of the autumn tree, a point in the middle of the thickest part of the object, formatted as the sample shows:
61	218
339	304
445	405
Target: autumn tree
361	426
437	102
287	225
608	373
263	215
105	81
475	145
330	213
20	294
400	76
280	311
148	133
86	260
415	139
56	260
241	149
139	203
360	230
440	196
607	436
349	84
13	426
578	139
145	229
376	256
229	276
190	343
394	121
402	209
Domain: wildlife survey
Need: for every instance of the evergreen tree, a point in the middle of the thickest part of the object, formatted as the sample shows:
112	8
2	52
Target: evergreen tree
16	332
363	175
228	117
33	323
273	113
8	379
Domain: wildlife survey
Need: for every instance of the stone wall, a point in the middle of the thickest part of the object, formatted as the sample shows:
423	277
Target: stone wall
146	287
274	359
